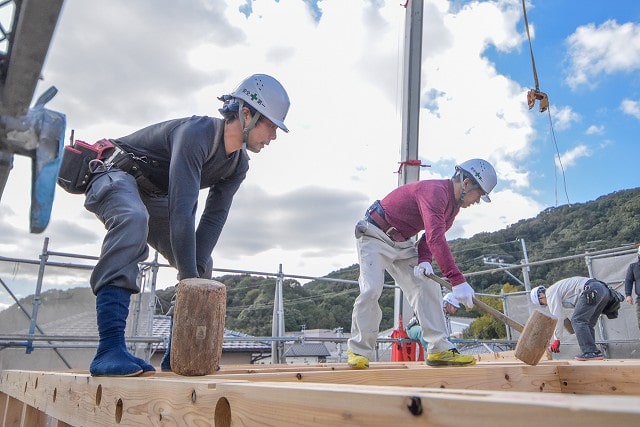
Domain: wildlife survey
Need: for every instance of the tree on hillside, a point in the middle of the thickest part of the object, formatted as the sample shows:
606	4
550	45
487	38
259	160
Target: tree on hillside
486	327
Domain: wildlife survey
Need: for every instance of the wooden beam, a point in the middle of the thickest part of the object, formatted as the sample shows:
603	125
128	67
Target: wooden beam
607	377
3	407
13	413
326	404
503	377
33	417
81	400
489	394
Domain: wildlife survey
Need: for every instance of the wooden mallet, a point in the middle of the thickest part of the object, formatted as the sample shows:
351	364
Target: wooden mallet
534	336
198	327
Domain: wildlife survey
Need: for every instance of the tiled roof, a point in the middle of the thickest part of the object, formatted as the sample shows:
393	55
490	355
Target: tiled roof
231	342
84	325
307	349
79	324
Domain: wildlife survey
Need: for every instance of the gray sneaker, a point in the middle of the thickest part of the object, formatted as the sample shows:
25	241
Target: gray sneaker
591	355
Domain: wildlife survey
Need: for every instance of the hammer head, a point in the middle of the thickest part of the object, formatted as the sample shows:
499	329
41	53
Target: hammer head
535	337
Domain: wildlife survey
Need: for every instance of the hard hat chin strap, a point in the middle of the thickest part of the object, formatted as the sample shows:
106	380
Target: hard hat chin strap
249	127
462	190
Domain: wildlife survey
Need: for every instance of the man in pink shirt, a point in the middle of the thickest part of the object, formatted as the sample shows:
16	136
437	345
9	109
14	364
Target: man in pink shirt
384	242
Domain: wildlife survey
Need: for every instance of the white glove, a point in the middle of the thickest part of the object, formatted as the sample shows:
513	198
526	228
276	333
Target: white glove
422	270
464	293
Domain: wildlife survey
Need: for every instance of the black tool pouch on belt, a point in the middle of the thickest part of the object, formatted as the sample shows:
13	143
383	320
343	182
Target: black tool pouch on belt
128	164
612	307
79	163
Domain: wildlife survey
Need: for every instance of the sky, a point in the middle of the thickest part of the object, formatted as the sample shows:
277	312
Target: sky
122	65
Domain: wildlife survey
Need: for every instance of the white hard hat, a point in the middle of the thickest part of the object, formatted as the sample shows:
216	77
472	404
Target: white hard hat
483	173
535	294
267	96
451	300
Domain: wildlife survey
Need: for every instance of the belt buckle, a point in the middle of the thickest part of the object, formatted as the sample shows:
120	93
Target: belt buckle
391	230
112	158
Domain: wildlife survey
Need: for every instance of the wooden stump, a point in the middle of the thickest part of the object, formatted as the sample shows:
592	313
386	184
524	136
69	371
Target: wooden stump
535	337
198	327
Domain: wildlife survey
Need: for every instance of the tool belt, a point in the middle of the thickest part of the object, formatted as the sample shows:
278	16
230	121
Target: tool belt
80	161
128	163
375	215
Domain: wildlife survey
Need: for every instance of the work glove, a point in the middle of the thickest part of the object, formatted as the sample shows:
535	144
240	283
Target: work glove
555	346
422	270
464	293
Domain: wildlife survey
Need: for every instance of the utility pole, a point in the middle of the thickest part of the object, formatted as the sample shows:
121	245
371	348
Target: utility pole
526	268
411	92
410	112
277	322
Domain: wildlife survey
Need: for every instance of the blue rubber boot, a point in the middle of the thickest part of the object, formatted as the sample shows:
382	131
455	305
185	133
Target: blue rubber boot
112	357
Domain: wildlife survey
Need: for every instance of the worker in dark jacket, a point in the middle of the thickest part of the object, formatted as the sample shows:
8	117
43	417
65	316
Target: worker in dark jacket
631	283
147	194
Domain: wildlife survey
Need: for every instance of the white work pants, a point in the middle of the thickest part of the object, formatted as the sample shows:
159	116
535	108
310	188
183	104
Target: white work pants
377	253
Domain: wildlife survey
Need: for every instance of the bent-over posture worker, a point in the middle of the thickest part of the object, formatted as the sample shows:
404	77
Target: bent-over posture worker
384	242
631	283
588	298
149	195
450	305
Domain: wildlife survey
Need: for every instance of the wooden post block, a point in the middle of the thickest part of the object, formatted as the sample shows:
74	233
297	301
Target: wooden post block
198	327
535	337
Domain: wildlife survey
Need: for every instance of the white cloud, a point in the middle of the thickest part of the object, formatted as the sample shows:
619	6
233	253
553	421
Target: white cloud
570	158
631	108
606	49
507	207
564	117
594	130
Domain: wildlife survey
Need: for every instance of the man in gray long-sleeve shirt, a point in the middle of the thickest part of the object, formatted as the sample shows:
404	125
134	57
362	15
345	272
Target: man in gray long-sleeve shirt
384	242
147	193
631	283
588	298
